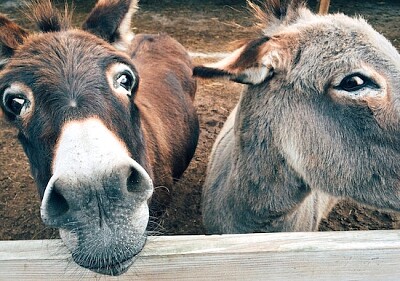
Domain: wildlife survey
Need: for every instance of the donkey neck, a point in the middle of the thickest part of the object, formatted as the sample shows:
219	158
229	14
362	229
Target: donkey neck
264	180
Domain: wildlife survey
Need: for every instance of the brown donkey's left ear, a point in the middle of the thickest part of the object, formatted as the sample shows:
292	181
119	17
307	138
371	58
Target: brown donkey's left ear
111	21
11	36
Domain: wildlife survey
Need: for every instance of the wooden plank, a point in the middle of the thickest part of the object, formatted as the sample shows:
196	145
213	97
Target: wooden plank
358	255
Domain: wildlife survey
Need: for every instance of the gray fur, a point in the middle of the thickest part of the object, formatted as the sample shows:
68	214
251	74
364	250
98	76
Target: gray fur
297	142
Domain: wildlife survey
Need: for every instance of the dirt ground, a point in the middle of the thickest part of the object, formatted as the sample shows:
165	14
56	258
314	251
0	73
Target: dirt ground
206	27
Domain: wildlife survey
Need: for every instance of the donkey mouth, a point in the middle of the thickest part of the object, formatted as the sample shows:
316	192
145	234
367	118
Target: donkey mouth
112	269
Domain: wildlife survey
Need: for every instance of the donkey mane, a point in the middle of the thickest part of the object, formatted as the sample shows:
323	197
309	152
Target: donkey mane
46	17
275	13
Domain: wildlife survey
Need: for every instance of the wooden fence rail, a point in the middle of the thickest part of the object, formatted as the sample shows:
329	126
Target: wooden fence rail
358	255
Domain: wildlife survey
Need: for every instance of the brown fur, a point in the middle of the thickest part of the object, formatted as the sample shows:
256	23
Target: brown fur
251	53
156	58
115	26
100	125
46	17
11	35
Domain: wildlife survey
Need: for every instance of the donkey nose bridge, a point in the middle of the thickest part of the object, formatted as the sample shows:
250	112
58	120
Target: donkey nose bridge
89	161
88	150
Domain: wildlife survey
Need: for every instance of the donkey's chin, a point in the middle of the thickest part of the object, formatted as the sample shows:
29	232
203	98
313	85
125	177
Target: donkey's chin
109	264
114	262
114	269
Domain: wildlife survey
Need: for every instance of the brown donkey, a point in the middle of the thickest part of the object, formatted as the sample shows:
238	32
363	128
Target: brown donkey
102	118
319	120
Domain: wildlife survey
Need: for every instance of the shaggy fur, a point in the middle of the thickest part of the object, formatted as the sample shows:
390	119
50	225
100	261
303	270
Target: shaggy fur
319	121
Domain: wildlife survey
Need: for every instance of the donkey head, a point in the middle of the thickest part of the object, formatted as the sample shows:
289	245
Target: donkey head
324	93
71	94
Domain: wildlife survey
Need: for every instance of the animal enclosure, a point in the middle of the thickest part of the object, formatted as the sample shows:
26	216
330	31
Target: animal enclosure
191	26
215	100
366	255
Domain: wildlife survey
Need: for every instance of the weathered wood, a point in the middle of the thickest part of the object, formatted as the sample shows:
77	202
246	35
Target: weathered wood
323	7
368	255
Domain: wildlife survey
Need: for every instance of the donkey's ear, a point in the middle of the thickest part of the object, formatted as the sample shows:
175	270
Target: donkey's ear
251	64
11	36
111	21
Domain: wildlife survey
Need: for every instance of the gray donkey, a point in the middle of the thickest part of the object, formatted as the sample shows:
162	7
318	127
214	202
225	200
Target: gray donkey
318	121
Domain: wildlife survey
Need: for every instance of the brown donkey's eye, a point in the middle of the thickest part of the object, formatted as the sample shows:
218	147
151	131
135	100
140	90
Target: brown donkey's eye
16	104
125	80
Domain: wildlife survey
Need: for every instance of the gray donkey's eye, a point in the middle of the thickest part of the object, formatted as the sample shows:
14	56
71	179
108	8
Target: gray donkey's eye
355	82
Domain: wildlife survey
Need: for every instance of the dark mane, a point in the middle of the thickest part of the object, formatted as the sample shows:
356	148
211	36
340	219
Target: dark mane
46	17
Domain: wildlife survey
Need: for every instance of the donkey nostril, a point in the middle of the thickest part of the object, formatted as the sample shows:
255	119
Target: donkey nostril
57	204
133	180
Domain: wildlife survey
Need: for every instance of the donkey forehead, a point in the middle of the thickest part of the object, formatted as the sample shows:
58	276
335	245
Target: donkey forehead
63	53
67	73
66	62
344	33
336	44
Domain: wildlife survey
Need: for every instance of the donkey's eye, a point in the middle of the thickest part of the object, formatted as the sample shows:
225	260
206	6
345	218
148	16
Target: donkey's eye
355	82
125	80
17	104
122	79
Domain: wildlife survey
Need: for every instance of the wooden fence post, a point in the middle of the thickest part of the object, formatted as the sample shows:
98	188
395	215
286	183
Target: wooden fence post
323	7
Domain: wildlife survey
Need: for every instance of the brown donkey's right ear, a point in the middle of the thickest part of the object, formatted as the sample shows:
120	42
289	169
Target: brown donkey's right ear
11	36
111	21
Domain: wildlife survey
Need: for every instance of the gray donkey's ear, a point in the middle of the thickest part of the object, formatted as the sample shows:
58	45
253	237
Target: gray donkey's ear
111	21
254	62
11	36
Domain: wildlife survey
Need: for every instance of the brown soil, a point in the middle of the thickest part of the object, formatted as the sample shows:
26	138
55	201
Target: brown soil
199	27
